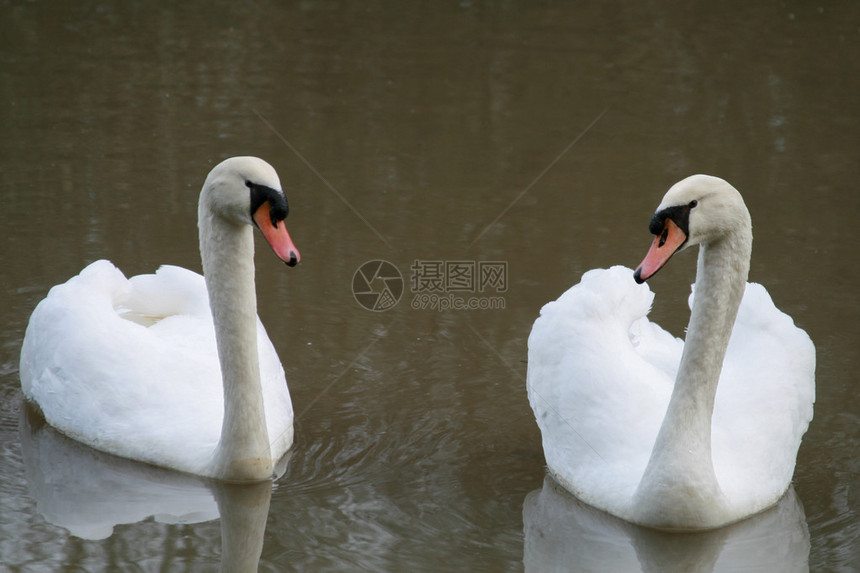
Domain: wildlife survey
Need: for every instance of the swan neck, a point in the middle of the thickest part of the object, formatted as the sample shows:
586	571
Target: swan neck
227	252
721	276
679	484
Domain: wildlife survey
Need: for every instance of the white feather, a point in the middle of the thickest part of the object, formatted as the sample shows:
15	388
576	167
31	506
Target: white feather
600	378
130	367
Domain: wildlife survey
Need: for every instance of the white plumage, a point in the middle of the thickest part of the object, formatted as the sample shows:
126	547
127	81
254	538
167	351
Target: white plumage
131	367
601	376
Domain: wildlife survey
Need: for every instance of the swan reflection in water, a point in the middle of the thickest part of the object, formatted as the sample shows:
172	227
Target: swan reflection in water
564	534
89	492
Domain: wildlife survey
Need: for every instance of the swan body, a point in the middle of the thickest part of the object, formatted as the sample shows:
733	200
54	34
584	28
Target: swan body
170	368
661	432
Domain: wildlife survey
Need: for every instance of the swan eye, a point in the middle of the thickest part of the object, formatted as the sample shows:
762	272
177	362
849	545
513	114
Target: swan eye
693	203
277	201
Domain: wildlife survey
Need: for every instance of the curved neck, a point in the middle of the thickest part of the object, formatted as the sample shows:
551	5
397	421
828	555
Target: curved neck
227	251
679	479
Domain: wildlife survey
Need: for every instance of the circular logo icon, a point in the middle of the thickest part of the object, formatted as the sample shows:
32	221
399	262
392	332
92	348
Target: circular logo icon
377	285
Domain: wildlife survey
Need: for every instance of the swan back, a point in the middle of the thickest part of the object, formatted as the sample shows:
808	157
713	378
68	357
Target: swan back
764	401
156	375
601	375
595	364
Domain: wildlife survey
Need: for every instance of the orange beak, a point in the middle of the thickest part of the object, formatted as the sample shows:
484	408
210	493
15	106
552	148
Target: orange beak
664	246
276	235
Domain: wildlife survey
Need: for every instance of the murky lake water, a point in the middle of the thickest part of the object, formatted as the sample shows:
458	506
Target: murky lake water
537	135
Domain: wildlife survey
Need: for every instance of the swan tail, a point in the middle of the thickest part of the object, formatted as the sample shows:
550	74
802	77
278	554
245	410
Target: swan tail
170	291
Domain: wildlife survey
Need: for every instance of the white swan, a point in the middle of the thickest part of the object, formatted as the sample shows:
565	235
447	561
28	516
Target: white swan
619	434
139	368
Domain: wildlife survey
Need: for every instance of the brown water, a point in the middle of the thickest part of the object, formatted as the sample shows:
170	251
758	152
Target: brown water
538	135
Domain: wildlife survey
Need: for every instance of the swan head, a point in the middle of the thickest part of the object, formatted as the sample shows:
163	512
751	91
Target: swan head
247	191
697	210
